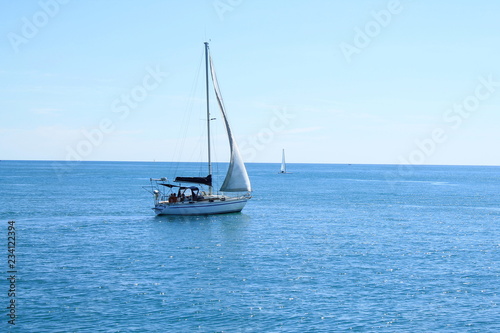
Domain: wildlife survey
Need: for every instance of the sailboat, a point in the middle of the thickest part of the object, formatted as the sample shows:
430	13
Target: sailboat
283	164
188	196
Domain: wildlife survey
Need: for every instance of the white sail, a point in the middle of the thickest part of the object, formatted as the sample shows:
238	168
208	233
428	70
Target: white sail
283	165
237	177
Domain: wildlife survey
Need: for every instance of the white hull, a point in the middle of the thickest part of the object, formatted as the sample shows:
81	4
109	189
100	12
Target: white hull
201	207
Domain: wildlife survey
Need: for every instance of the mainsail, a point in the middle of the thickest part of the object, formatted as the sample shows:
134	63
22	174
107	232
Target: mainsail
237	177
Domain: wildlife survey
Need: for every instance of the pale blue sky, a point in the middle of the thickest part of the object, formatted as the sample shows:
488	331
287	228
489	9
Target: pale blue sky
422	85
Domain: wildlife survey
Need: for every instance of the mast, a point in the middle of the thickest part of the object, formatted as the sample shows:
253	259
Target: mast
208	115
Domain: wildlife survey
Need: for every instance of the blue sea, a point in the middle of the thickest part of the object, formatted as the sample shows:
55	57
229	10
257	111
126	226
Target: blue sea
326	248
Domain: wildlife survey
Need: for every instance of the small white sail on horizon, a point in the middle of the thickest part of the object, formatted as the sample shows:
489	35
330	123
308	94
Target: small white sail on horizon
283	163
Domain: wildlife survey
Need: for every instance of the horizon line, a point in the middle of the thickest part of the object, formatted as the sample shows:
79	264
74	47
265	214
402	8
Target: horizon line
161	161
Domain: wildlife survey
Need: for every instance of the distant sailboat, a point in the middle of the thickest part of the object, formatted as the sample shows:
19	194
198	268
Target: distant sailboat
173	199
283	163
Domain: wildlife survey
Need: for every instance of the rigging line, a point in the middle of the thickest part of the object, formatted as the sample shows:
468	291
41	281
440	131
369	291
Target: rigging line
220	99
198	153
186	118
